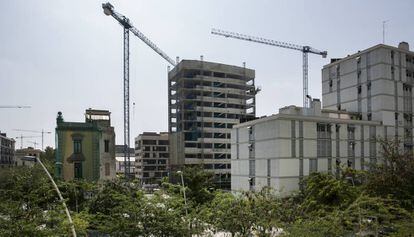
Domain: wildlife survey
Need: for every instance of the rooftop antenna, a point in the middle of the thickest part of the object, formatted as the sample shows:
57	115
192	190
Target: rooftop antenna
383	31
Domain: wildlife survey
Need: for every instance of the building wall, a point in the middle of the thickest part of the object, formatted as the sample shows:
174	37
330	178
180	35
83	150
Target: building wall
377	83
7	149
205	100
90	139
152	153
278	151
107	158
92	162
21	153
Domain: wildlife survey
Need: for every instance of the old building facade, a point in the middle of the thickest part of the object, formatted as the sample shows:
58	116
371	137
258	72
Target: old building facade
86	150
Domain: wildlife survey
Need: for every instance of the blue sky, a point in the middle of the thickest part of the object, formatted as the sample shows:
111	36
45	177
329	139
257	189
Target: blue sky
66	56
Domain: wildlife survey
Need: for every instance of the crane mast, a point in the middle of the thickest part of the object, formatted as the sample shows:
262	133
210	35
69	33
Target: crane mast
21	139
34	131
127	25
304	49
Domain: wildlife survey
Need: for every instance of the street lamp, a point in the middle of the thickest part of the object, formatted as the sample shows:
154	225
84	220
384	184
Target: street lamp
35	159
185	198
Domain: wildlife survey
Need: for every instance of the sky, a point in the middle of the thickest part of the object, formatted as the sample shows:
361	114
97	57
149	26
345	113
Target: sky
67	56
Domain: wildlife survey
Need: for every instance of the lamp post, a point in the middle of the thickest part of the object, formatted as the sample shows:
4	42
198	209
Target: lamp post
72	226
185	198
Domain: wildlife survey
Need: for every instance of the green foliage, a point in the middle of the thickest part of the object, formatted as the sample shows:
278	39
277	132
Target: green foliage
324	193
48	159
377	202
29	204
231	213
198	182
326	226
394	176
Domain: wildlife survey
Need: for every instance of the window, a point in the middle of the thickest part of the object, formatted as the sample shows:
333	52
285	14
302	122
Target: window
77	146
252	168
161	148
359	89
107	169
149	142
313	165
324	143
106	145
251	135
163	142
369	86
78	170
162	162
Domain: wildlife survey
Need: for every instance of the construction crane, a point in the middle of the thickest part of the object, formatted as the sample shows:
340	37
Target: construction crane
21	139
14	107
34	131
127	25
304	49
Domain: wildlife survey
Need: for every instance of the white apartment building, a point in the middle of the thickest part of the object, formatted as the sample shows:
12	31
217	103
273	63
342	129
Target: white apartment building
376	83
279	150
366	96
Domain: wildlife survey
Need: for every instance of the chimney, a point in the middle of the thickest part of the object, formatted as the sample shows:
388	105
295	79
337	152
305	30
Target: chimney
316	107
404	46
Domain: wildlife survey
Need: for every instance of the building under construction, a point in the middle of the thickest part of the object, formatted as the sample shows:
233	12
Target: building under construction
205	100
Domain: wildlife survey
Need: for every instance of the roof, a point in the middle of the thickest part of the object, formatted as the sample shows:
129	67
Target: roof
365	51
305	118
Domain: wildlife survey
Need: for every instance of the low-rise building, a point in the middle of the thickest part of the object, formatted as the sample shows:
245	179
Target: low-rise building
6	151
22	153
86	150
120	160
151	157
279	150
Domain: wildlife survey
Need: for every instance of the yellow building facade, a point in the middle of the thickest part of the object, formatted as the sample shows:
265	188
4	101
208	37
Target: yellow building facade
86	150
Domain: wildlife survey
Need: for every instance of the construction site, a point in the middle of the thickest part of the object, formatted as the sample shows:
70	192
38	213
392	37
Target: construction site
205	101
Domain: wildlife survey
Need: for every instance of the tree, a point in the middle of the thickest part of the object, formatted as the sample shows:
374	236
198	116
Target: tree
48	159
29	204
394	175
323	193
199	184
231	213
